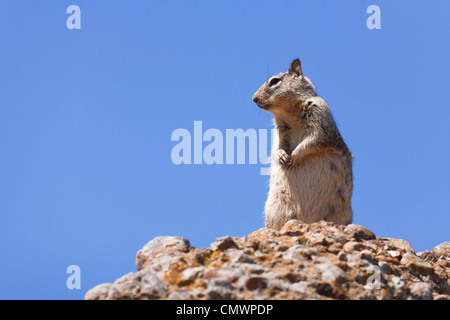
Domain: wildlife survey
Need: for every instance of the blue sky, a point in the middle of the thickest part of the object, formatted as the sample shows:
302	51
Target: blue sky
86	118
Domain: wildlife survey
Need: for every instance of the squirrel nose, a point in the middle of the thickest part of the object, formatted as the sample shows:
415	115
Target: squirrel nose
255	99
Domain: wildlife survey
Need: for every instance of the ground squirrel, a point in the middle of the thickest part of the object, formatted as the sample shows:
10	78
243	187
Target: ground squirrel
311	171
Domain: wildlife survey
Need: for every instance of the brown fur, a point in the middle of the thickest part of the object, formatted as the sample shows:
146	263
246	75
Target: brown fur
311	171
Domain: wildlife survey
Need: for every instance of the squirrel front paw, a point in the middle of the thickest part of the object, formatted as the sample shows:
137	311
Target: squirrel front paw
284	158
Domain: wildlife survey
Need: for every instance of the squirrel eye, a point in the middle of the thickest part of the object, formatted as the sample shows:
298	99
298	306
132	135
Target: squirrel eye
274	81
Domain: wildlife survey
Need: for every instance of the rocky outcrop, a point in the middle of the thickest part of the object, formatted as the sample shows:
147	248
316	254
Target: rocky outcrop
301	261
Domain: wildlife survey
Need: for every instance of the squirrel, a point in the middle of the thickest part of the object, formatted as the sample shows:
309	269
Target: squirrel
311	168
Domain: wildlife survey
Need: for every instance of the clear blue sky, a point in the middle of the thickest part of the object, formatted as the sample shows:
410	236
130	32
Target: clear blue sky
86	118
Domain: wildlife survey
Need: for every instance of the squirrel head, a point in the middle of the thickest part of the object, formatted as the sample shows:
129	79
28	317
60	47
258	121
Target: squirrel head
284	91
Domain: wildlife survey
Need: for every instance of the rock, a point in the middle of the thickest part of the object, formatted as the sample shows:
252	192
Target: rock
252	243
219	290
385	267
416	264
223	243
331	273
143	285
398	244
442	250
292	228
99	292
427	256
137	286
210	273
359	233
301	261
327	290
293	255
239	256
181	294
353	246
160	246
442	297
394	253
189	275
125	288
151	286
421	290
254	283
265	234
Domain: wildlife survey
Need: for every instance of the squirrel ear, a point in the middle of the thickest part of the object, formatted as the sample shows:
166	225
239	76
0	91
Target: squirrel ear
295	67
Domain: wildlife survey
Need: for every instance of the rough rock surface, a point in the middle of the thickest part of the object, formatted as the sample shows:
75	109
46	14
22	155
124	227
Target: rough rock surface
301	261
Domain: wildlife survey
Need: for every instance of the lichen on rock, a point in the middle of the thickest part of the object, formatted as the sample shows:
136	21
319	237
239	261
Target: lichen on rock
301	261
